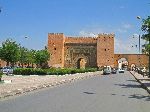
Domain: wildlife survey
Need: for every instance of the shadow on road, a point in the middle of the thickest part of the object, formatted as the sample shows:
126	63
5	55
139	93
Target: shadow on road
135	96
147	84
132	80
89	93
129	85
138	96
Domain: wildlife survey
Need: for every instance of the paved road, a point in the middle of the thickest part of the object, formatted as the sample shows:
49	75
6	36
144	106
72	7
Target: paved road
109	93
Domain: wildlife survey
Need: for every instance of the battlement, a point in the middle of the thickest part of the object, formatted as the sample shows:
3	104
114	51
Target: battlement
106	35
81	40
85	37
55	33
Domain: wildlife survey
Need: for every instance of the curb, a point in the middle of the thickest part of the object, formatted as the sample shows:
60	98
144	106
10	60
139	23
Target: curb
46	85
142	84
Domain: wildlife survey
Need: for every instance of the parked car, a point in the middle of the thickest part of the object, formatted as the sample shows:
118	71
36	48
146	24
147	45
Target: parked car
107	70
7	70
113	71
120	70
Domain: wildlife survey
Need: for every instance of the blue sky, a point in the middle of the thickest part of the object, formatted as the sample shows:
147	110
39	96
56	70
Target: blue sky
36	18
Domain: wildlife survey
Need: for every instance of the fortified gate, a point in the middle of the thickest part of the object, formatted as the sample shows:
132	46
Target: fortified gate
81	52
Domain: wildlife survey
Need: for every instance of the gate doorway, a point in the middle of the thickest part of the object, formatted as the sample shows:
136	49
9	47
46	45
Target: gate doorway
81	63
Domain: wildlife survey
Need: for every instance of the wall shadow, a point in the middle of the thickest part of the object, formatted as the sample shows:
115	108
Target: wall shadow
139	96
134	96
129	85
131	80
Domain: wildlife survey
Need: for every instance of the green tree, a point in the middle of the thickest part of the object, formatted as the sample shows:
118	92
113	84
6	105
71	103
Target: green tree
146	36
9	52
41	57
31	57
23	56
27	56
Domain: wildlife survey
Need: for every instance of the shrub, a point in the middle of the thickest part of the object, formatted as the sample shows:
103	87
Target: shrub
52	71
91	69
1	74
40	72
23	71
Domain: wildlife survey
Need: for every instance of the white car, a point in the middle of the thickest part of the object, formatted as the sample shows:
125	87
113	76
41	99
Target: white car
120	70
7	70
107	70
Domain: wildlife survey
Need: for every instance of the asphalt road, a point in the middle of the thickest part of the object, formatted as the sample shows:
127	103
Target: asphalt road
109	93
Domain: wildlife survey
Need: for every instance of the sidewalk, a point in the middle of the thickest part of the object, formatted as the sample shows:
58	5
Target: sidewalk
144	81
21	84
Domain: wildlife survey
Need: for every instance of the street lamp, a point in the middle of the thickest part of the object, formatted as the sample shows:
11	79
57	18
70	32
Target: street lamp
138	17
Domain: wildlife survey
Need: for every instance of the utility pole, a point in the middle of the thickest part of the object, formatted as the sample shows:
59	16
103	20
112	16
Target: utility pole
139	44
149	59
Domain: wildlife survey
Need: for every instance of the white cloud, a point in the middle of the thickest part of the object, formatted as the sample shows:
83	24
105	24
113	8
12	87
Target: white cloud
87	34
121	30
127	26
124	28
94	30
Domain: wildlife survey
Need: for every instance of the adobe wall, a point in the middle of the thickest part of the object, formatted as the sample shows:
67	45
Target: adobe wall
105	50
56	49
136	59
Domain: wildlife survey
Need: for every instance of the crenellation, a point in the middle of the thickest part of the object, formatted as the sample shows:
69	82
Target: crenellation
55	33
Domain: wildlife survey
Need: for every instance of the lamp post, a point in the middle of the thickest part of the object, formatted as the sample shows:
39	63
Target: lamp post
149	58
138	17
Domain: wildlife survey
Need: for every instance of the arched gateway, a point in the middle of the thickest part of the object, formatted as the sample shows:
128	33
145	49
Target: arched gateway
81	61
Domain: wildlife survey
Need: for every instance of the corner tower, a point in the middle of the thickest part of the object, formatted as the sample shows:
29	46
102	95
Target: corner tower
56	49
105	50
